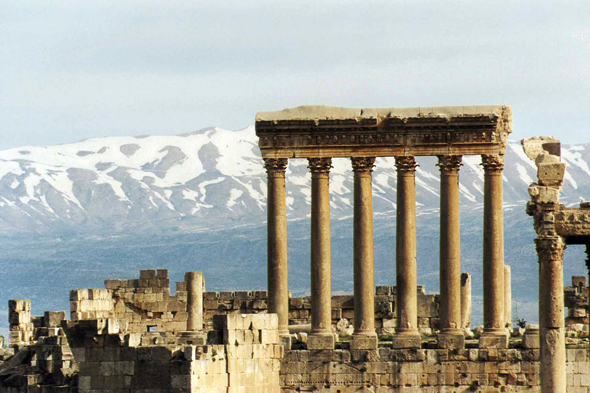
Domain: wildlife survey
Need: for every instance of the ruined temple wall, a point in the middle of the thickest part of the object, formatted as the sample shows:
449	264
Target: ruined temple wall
255	302
426	371
142	304
246	359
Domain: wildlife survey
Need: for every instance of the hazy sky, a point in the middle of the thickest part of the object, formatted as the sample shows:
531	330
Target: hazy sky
71	70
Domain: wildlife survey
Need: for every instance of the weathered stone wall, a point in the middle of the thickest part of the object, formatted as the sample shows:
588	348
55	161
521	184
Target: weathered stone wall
245	358
426	371
20	322
576	301
254	302
143	304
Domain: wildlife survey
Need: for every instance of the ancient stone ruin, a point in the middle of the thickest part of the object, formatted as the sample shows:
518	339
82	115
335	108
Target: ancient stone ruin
136	336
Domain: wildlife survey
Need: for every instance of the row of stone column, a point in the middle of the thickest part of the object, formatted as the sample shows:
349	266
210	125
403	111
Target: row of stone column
407	334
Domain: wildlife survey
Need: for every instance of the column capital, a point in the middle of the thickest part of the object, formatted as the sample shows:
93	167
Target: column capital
449	164
550	248
406	164
320	165
276	166
363	164
492	163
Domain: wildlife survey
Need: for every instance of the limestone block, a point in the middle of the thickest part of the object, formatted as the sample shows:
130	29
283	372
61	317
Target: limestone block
551	174
536	146
320	341
53	318
542	194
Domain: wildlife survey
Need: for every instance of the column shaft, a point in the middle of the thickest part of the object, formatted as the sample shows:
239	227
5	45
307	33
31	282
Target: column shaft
451	335
321	274
194	302
407	334
278	279
493	252
364	336
507	297
551	319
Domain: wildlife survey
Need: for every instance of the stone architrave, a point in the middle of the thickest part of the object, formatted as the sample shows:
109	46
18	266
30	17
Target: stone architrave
364	336
451	334
495	334
321	336
407	334
278	278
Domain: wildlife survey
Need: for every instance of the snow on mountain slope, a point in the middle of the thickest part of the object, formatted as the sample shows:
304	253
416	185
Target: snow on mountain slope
212	178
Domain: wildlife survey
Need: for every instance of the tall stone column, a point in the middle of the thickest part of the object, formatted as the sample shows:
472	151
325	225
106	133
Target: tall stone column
495	334
278	278
508	297
551	320
451	333
364	336
407	334
194	302
321	336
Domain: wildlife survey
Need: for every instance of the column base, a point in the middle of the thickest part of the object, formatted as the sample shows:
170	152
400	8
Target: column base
193	338
320	341
364	341
406	339
285	339
451	339
494	338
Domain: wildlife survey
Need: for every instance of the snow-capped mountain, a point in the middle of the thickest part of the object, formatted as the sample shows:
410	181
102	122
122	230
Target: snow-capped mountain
214	178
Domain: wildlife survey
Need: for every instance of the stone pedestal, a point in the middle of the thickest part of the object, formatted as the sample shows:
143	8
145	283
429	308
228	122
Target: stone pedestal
407	335
278	280
320	341
364	336
530	338
321	336
451	333
495	334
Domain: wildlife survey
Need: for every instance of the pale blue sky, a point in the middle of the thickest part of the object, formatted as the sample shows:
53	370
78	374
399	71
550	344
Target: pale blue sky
71	70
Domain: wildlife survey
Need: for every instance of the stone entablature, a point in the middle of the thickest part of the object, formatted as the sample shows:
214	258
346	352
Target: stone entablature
323	131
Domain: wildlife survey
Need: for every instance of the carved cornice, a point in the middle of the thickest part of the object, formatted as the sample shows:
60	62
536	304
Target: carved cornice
319	165
550	248
424	132
450	163
405	164
492	163
275	167
363	164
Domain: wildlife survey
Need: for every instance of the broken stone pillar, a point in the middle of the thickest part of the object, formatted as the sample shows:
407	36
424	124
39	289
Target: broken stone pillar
465	300
451	334
407	334
551	320
495	334
321	336
508	297
194	304
364	336
543	206
278	278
